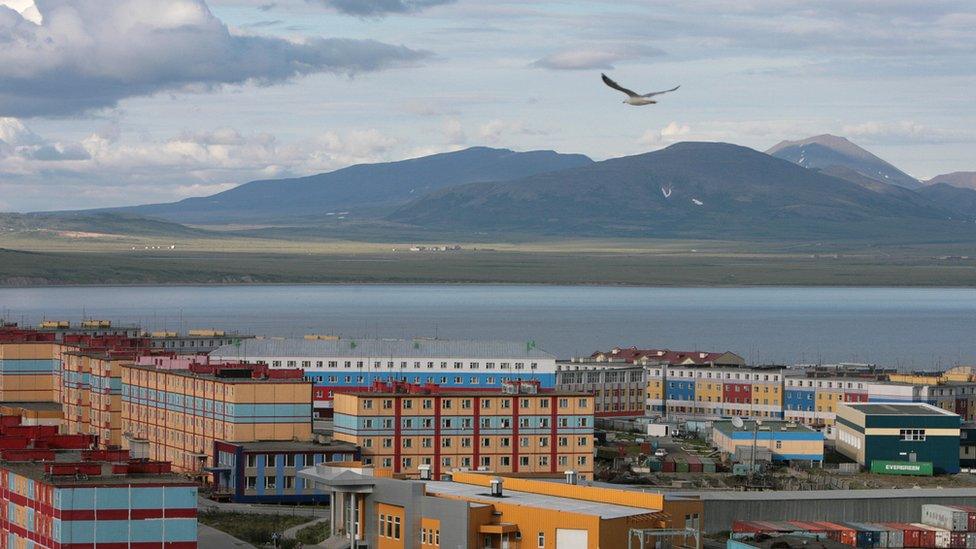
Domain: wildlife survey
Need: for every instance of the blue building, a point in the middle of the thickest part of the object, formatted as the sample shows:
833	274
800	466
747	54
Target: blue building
266	472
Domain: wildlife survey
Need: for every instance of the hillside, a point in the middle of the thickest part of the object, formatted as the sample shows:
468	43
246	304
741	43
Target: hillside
97	223
365	191
962	201
964	180
826	151
690	190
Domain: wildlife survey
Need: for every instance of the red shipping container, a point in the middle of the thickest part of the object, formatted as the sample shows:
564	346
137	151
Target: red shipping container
745	526
913	535
667	466
957	540
840	533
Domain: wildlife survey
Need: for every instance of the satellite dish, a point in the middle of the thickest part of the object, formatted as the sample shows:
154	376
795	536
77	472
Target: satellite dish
737	422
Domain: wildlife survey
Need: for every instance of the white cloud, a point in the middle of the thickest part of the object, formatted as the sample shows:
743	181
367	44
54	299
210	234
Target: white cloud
111	169
454	132
672	133
89	54
594	58
497	130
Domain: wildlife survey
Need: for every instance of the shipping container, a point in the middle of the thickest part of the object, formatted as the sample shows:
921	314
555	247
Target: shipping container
867	537
912	536
896	536
708	465
681	465
971	515
694	464
970	540
957	540
934	537
840	533
667	466
945	517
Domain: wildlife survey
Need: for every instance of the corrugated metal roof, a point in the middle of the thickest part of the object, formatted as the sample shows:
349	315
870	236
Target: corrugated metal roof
381	348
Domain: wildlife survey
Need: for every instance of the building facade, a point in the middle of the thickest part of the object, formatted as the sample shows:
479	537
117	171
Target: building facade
177	415
618	389
907	432
267	472
404	428
786	441
335	364
478	510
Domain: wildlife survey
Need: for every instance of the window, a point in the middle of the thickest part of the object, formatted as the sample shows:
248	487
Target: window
912	435
252	460
269	483
289	460
250	482
368	404
542	539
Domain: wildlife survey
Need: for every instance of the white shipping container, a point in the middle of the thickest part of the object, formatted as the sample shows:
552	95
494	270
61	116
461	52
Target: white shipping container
658	429
945	517
971	540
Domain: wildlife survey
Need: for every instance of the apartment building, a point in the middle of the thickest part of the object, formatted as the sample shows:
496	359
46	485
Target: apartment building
619	389
351	364
178	415
709	392
407	428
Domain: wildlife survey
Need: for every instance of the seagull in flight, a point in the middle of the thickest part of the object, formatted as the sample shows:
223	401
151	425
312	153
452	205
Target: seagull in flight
634	98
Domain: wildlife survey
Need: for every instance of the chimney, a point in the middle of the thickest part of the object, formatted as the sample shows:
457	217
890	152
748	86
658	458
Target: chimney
496	487
571	477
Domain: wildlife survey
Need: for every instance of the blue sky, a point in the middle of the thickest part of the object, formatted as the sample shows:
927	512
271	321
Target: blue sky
112	102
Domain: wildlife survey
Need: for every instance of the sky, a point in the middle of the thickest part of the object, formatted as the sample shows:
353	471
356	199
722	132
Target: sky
118	102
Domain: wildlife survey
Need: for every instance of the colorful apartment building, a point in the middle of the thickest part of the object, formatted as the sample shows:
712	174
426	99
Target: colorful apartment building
709	392
60	492
178	415
344	364
91	393
487	511
28	367
407	428
814	401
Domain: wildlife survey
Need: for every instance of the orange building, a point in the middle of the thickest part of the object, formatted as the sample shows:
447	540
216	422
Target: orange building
406	428
485	511
176	415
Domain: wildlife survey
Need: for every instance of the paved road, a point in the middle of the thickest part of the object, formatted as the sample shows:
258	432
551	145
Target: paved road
211	538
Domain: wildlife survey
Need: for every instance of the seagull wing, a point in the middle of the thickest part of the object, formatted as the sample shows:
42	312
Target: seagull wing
616	86
652	94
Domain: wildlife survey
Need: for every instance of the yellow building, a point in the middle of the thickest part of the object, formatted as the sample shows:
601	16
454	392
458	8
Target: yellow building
402	427
176	415
487	511
28	370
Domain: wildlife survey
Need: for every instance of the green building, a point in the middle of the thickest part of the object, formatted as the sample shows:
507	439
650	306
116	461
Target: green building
899	432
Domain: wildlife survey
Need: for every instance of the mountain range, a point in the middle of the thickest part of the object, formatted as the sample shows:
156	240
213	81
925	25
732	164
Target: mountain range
823	187
360	191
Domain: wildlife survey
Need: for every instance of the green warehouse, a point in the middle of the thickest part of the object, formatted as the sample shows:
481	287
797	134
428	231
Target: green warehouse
899	432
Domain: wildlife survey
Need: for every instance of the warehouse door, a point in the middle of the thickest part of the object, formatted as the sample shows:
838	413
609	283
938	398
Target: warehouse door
571	539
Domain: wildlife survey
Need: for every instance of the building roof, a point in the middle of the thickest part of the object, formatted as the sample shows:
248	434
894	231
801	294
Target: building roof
633	354
481	494
33	406
381	348
725	426
35	470
211	377
899	409
271	446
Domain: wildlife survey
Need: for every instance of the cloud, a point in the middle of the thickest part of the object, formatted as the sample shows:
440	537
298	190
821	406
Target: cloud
379	8
90	54
112	168
454	132
672	133
593	59
494	130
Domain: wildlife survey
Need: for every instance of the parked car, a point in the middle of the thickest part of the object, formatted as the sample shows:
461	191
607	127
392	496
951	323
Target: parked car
660	452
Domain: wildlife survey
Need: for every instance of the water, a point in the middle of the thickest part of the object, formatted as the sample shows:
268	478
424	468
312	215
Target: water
901	327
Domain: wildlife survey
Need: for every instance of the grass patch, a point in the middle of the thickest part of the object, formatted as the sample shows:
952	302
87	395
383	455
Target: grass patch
251	527
314	534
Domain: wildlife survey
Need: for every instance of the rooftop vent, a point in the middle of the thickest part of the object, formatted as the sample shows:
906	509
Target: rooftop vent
496	487
424	471
571	477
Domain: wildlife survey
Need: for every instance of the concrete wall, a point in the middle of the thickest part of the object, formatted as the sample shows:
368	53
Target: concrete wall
873	506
